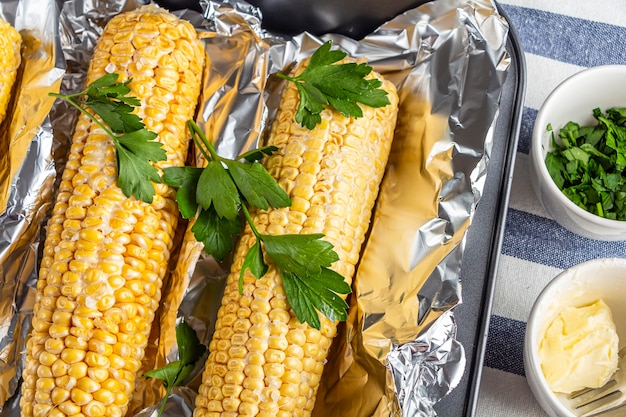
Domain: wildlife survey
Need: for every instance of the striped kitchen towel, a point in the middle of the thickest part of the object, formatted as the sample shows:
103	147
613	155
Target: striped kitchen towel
559	38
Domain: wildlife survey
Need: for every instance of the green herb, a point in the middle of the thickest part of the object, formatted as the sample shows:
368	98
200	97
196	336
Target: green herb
303	262
190	350
341	86
134	144
217	193
588	163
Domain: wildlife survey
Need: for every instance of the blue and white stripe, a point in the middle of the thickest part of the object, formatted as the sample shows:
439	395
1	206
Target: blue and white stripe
559	38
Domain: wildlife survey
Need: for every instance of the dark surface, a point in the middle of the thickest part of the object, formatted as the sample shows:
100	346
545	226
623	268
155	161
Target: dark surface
356	18
180	4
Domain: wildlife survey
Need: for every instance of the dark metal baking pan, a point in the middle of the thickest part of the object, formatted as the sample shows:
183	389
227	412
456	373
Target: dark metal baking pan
357	18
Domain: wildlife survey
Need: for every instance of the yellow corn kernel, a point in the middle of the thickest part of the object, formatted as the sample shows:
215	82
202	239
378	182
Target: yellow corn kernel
58	331
106	302
96	360
59	368
100	347
69	408
88	385
104	396
42	397
45	314
94	409
67	382
120	398
42	409
98	374
80	397
104	337
45	384
111	385
132	365
55	412
59	395
70	355
113	410
77	370
77	345
47	359
44	372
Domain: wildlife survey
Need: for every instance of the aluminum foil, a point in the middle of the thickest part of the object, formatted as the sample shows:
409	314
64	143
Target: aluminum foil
397	354
26	172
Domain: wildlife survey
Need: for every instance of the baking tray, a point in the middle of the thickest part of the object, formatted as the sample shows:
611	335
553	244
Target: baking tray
357	18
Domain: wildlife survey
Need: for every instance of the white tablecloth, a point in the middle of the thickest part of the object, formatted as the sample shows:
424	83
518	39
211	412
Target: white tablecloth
559	38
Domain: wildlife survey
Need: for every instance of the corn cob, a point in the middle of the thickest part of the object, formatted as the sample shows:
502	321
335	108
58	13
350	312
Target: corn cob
263	361
105	255
10	59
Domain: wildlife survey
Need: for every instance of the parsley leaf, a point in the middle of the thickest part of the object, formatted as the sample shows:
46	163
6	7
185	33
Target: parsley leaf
303	262
341	86
189	347
216	233
128	146
588	162
256	185
168	374
300	254
186	180
254	262
190	350
134	144
258	153
312	103
216	188
316	292
298	295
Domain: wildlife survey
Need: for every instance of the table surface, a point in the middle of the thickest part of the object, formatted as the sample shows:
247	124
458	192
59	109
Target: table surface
559	38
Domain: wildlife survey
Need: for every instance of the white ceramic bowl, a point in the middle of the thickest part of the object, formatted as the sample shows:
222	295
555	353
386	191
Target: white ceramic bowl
574	100
577	286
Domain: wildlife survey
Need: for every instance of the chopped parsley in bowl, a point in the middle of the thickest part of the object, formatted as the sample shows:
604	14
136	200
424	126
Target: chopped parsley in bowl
576	164
588	162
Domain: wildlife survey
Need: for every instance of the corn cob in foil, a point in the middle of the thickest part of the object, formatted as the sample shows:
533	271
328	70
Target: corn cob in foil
105	255
263	361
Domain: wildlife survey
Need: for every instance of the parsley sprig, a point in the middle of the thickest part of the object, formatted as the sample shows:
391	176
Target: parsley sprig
218	193
340	86
588	163
134	144
303	262
190	350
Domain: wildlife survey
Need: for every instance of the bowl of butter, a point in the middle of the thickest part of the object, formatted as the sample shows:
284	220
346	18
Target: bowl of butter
574	332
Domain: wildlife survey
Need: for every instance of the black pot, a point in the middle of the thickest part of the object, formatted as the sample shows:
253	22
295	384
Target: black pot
354	18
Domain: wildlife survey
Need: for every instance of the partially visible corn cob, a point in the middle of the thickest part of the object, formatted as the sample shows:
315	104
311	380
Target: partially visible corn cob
10	59
263	361
105	255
